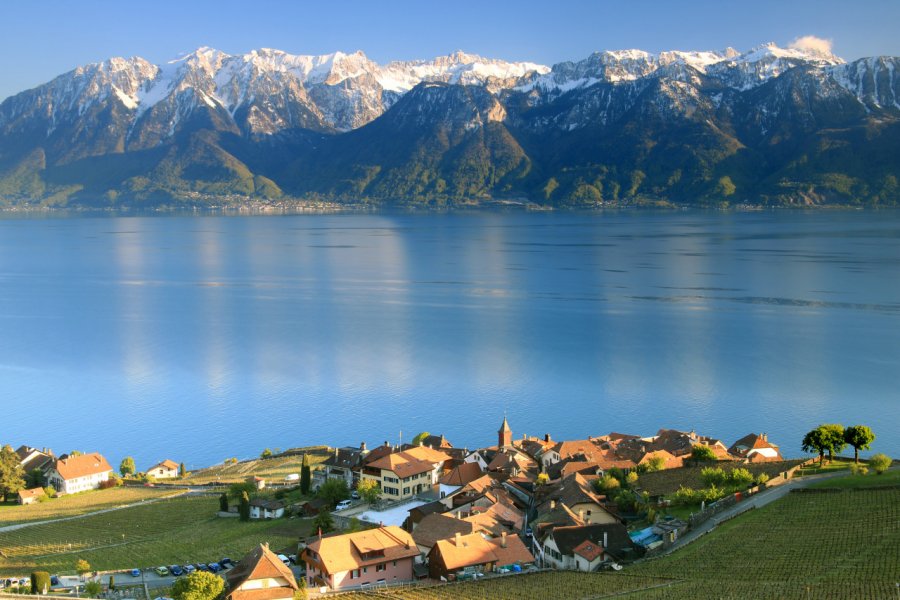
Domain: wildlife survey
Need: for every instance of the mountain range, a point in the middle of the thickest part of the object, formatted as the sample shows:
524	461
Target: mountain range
770	126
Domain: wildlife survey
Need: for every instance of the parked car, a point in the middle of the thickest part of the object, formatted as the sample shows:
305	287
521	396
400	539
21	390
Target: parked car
285	560
214	567
54	580
343	504
189	569
135	572
201	567
25	581
162	571
354	495
226	562
292	558
176	570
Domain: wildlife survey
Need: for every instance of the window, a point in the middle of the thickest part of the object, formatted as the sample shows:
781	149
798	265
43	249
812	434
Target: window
365	569
354	574
395	563
405	491
380	567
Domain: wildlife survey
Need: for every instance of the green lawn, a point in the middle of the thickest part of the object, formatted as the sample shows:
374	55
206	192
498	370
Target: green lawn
886	479
76	504
179	530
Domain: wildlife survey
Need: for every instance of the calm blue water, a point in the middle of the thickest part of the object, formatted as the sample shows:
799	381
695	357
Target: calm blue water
198	338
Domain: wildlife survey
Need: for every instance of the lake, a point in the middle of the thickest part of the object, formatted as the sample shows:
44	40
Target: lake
199	338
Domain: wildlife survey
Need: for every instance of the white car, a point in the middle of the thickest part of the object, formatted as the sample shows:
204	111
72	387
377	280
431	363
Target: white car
343	504
285	560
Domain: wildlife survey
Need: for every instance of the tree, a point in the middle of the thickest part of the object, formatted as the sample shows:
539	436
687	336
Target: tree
305	477
702	453
420	438
126	467
82	567
200	585
369	490
655	464
12	476
266	453
542	479
607	483
40	582
92	589
713	476
244	506
834	435
181	470
860	437
323	521
34	479
725	187
816	441
880	463
631	478
301	593
236	489
50	491
333	491
223	502
112	583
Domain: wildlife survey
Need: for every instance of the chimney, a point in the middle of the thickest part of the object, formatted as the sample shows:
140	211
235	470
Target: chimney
605	541
503	540
362	447
552	504
458	539
546	437
387	444
459	515
581	515
335	452
765	437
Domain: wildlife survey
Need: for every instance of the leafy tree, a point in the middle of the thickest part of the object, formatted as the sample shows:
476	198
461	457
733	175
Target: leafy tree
607	483
420	438
126	467
12	476
305	475
857	469
880	463
223	502
34	479
713	476
542	479
181	470
834	435
82	567
369	490
655	464
333	491
631	478
762	478
725	187
244	506
860	437
740	477
324	521
40	582
92	589
301	593
702	453
200	585
235	490
817	441
266	453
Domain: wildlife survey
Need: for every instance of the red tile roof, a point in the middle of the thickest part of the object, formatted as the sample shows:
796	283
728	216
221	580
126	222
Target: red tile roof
339	553
261	563
82	466
419	459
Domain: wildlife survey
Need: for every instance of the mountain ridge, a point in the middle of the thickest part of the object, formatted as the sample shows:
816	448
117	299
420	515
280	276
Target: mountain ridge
768	126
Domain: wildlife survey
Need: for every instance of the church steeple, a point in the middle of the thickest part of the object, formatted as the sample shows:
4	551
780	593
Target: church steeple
504	436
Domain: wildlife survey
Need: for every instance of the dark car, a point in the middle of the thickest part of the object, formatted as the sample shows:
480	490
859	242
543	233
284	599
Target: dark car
54	580
226	563
135	572
188	569
214	567
176	570
201	567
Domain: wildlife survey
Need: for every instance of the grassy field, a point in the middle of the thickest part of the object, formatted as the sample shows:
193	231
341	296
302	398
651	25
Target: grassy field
886	479
179	530
272	469
77	504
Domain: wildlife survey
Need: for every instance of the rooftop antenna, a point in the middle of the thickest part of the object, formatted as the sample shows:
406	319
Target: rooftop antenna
401	439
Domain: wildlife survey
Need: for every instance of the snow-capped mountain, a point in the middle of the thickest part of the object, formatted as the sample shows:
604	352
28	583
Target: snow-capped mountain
451	126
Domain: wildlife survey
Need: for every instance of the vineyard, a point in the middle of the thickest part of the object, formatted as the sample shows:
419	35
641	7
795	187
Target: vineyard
273	469
77	504
665	482
169	531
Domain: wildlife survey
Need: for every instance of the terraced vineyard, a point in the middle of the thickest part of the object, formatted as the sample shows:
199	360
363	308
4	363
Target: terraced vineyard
77	504
169	531
273	469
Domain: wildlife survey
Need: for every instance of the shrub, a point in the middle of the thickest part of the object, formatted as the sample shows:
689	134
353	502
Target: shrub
858	469
40	582
631	478
199	585
92	589
880	463
266	453
607	483
740	477
685	496
50	491
713	476
702	453
762	478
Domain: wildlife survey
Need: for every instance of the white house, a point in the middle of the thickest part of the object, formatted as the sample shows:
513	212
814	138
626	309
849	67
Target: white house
167	469
79	473
266	509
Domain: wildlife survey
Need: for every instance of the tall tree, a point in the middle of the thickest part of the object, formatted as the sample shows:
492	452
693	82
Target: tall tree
324	521
305	475
816	441
200	585
420	438
12	476
834	434
126	467
333	491
244	507
369	490
223	502
181	470
860	437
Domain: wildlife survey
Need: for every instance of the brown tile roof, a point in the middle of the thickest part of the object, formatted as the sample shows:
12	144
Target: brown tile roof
473	549
514	552
619	544
436	441
166	464
436	527
752	441
570	448
480	484
670	461
340	553
82	466
462	474
32	493
275	593
588	550
410	462
261	563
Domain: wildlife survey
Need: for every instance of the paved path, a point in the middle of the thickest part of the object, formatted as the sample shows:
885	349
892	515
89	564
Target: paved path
756	501
90	514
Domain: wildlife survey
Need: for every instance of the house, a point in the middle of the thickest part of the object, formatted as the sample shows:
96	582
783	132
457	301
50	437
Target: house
584	547
260	576
474	554
31	496
459	476
266	509
577	493
382	555
311	508
438	442
33	459
79	473
402	475
756	448
167	469
344	463
436	527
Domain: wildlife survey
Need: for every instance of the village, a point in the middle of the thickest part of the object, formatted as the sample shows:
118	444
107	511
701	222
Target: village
427	511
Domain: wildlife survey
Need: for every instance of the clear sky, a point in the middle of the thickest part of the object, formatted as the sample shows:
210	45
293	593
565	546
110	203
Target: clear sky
43	39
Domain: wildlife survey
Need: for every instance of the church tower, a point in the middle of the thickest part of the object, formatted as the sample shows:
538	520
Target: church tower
504	436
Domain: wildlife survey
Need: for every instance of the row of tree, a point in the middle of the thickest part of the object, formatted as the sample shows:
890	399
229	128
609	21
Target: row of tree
833	438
